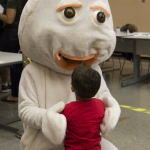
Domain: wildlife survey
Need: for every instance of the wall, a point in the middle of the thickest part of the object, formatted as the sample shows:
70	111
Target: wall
131	11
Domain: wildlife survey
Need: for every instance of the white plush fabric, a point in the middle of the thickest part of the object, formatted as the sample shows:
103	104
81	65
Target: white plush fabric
41	90
42	32
45	87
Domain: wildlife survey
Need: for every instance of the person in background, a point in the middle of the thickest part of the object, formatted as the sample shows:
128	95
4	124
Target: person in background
84	115
4	71
11	18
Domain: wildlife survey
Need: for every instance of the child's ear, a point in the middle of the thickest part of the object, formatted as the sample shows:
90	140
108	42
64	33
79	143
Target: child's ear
73	89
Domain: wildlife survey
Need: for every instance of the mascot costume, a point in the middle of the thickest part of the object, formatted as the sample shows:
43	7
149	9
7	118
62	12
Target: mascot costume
59	35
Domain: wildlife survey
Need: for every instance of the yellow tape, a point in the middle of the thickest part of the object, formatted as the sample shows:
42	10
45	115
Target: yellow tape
136	109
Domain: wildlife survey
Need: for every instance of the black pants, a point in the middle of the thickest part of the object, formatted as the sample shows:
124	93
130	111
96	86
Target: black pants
11	44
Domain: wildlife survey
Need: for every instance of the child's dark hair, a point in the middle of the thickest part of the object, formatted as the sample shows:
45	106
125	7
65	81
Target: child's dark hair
86	81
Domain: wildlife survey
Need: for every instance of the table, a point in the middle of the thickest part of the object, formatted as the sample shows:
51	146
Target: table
8	59
138	45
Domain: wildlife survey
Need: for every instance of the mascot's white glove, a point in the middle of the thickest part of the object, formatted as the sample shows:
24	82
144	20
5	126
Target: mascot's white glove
112	109
112	113
54	124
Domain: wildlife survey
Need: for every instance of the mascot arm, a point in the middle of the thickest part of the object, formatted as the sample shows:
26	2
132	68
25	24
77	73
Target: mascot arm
112	109
52	124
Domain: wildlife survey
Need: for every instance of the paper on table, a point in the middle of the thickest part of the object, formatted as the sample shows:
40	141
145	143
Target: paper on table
1	9
2	62
141	34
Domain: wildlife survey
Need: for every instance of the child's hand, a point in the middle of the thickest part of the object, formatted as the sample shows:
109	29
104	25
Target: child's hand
54	124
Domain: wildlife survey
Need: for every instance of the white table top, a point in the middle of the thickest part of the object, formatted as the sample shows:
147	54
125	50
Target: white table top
135	35
7	59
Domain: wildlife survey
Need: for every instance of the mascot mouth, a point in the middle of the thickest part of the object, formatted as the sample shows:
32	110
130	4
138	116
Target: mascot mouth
71	62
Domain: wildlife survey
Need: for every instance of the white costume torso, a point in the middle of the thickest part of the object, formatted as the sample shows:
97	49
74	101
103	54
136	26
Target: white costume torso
57	44
39	91
42	93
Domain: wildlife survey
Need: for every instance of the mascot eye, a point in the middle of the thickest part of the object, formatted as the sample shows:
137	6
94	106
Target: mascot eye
99	17
69	14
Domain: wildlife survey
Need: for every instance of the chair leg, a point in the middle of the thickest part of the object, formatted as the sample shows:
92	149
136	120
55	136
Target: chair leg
120	62
141	65
108	67
122	67
113	62
123	75
102	64
148	67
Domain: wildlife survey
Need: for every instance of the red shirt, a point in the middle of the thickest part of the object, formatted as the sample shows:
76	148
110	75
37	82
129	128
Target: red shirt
83	124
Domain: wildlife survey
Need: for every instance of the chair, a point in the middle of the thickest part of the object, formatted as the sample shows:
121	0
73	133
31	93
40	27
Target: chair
112	66
102	67
128	56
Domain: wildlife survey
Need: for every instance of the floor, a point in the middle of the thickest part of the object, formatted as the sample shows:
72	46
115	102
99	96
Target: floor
133	129
9	114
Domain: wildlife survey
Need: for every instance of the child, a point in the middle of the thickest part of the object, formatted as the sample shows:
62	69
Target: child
85	115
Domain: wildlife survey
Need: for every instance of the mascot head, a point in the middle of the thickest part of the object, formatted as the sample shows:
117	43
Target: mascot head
62	34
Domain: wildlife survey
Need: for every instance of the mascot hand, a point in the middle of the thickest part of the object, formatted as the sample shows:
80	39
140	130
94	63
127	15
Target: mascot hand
54	124
112	113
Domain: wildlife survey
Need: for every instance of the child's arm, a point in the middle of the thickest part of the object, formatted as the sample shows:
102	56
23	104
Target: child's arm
52	124
112	109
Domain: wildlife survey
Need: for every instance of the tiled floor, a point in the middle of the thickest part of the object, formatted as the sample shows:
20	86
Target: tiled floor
133	133
133	130
9	113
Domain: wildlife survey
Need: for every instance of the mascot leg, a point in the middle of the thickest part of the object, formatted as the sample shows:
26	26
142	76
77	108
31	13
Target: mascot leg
106	145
